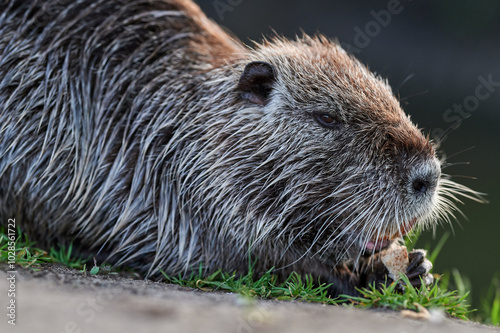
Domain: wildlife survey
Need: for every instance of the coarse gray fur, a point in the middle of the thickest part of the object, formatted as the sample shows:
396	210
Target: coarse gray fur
123	127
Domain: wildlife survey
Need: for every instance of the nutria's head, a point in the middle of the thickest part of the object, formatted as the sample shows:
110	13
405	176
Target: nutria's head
321	159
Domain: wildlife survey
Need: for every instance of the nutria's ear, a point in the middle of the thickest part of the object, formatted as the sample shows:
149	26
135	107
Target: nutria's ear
256	82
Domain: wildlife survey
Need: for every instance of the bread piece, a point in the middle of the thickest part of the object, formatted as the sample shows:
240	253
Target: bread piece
395	259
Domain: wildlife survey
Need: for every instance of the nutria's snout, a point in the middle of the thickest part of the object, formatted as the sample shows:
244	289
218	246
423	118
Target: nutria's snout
424	177
412	202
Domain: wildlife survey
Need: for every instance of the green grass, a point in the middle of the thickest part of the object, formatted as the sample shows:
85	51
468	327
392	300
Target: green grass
65	257
296	288
432	297
266	286
455	302
489	312
28	255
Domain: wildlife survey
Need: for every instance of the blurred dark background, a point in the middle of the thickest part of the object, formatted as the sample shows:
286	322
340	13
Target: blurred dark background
436	55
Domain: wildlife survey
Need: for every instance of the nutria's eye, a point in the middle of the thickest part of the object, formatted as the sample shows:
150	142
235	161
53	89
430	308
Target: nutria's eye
326	120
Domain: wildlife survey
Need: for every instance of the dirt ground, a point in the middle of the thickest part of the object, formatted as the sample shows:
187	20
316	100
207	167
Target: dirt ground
60	300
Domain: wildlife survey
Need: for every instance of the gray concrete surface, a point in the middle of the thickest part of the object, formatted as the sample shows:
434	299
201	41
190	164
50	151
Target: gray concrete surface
60	300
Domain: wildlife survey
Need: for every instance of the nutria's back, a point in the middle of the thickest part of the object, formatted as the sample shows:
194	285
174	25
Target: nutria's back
144	132
79	76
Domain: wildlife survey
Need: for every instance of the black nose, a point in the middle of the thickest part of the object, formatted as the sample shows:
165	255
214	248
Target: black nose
424	177
420	185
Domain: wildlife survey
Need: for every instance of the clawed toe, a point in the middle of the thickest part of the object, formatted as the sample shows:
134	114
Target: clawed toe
419	268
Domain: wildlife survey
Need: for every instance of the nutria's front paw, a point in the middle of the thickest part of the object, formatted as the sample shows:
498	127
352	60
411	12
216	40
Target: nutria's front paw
418	272
419	268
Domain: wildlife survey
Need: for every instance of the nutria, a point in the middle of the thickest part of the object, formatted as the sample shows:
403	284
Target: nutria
144	133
